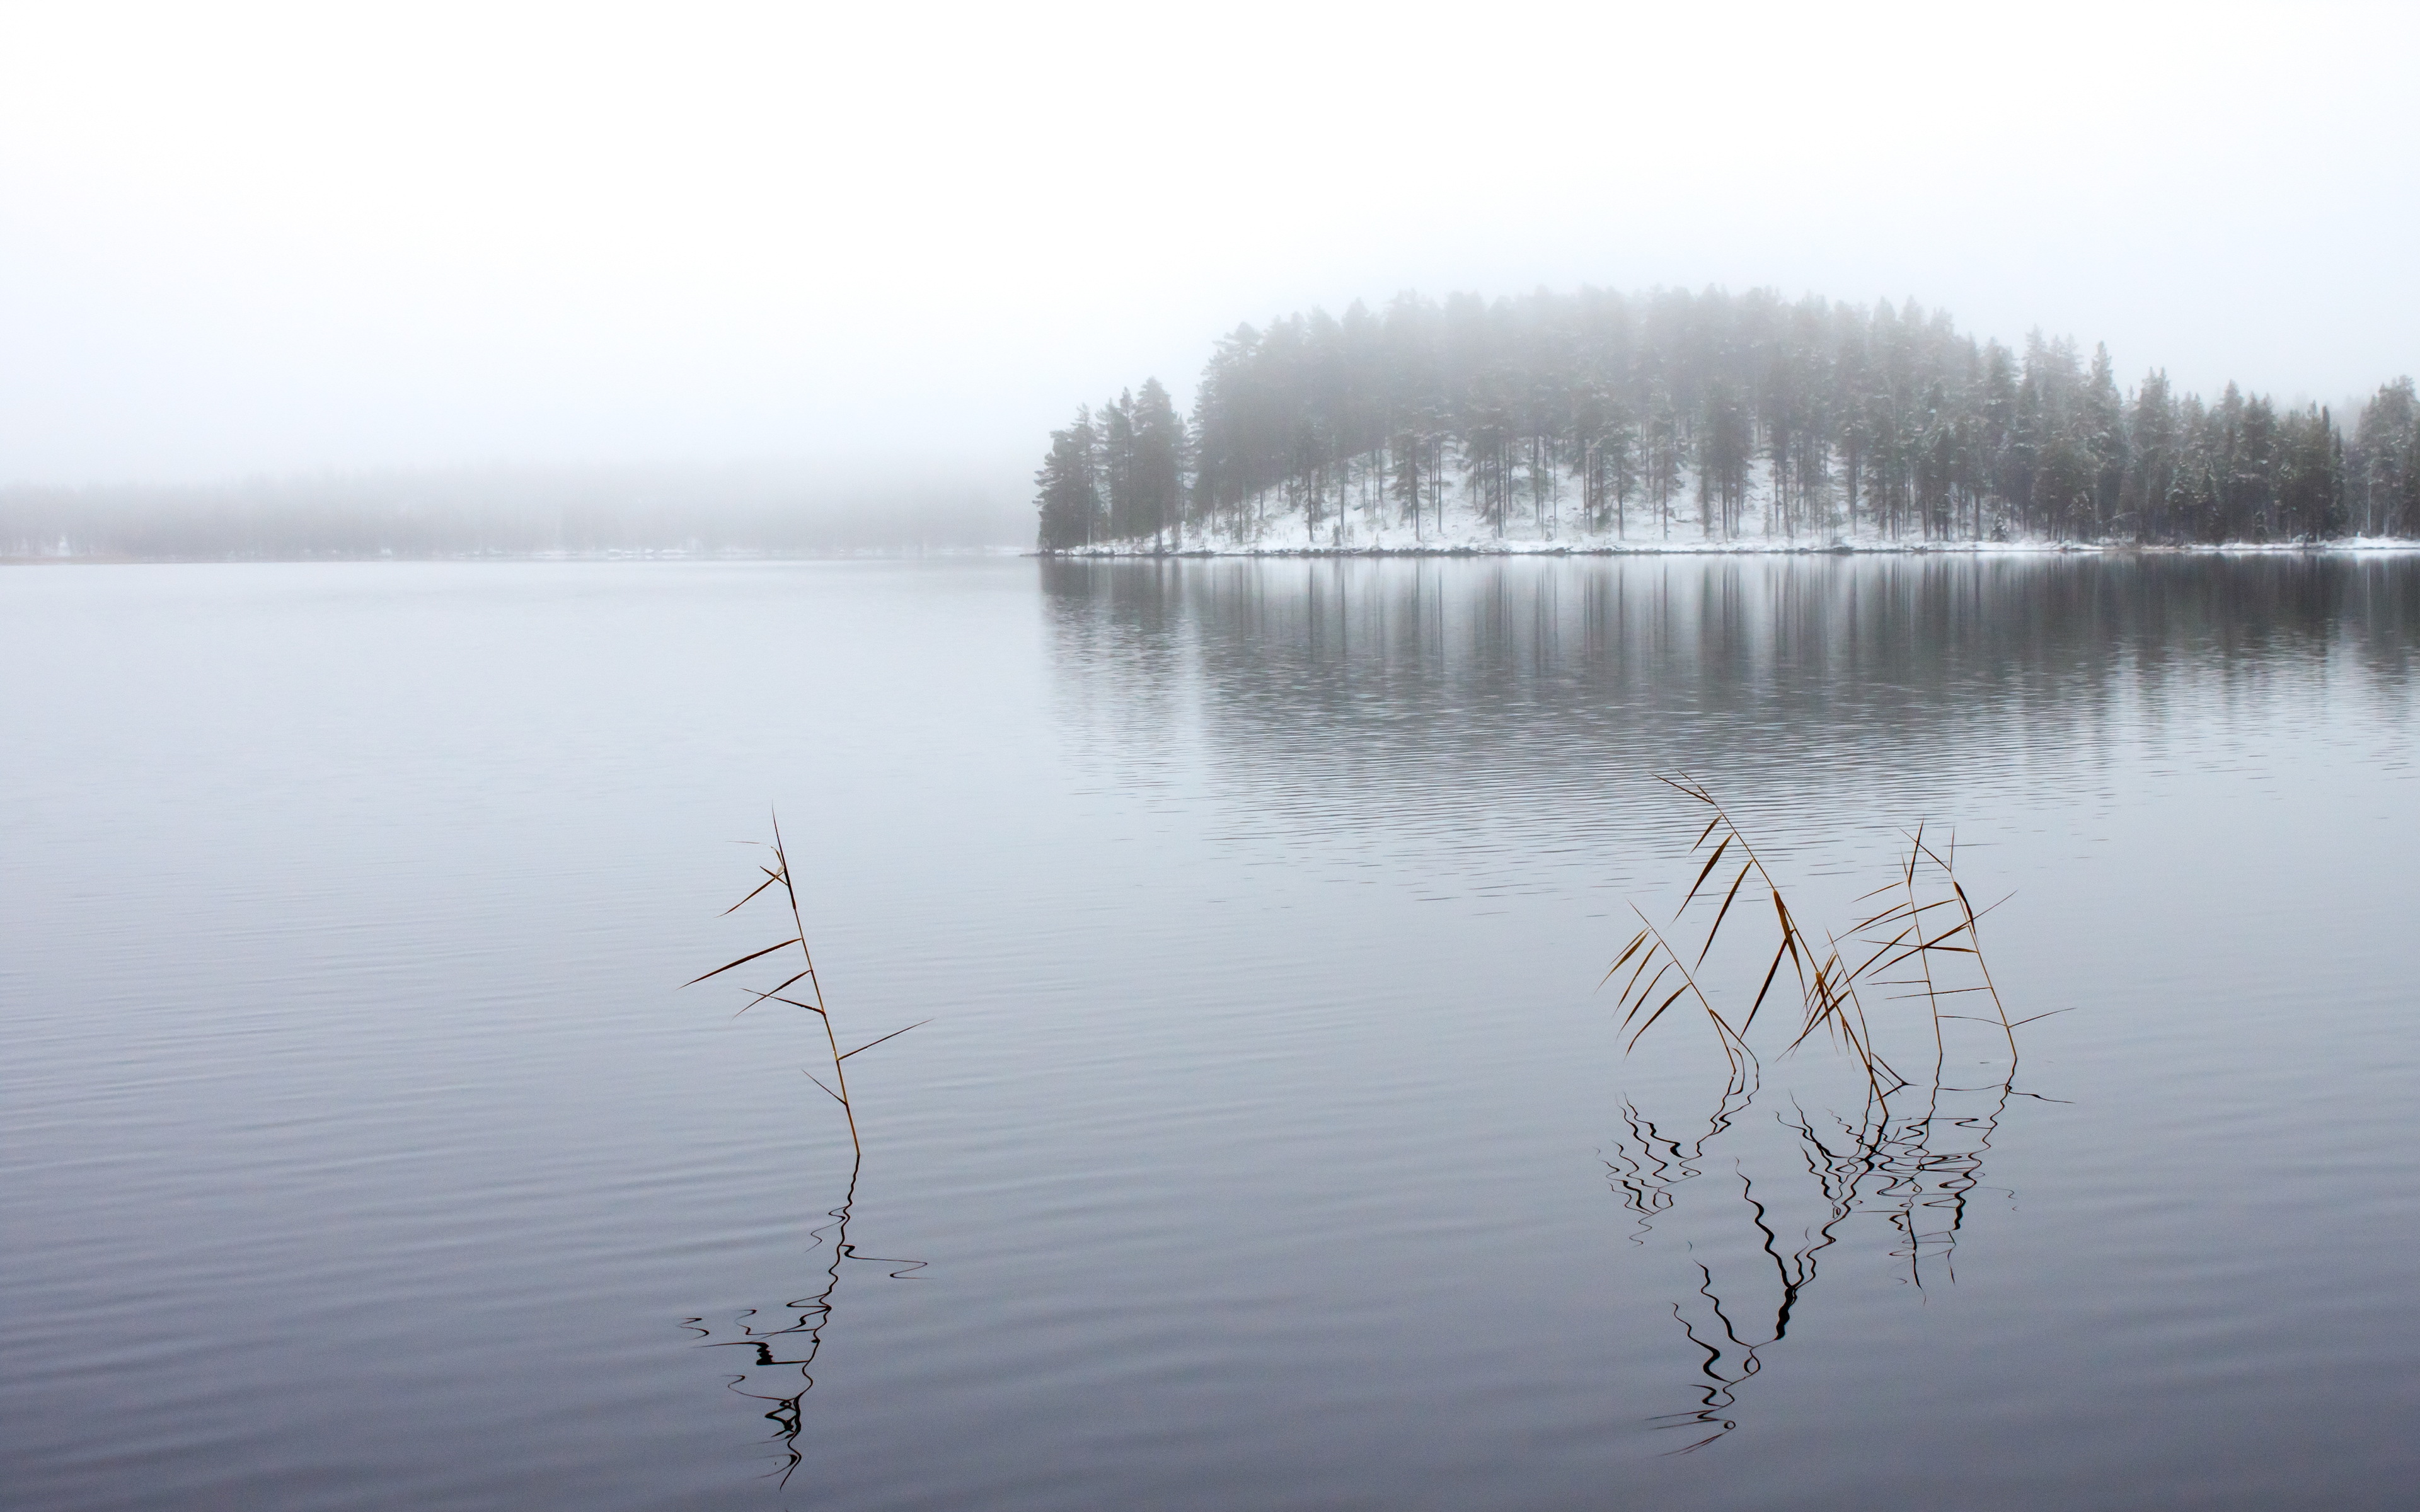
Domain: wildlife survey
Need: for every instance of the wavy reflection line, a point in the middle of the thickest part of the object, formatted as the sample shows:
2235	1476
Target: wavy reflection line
1916	1170
811	1315
1645	1179
1720	1391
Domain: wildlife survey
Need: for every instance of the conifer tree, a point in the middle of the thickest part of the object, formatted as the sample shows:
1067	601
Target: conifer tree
1068	493
1157	479
2386	460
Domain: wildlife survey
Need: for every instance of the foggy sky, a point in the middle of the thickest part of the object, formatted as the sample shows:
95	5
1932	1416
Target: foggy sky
256	238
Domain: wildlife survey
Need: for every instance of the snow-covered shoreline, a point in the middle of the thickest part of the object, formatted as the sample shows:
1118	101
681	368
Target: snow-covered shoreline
1358	521
2351	544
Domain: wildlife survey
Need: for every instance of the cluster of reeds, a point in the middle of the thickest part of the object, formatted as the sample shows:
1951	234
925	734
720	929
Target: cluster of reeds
1913	1165
1922	943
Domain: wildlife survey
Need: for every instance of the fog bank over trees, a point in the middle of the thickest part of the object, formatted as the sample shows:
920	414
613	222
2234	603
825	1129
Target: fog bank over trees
1673	416
511	512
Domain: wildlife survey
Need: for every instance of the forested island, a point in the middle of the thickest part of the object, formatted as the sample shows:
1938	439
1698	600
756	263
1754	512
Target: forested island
1670	418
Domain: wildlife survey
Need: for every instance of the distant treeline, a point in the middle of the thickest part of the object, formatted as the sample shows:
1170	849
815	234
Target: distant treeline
580	513
1726	414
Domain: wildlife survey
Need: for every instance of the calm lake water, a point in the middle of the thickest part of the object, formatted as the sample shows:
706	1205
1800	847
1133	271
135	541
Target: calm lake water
1270	1145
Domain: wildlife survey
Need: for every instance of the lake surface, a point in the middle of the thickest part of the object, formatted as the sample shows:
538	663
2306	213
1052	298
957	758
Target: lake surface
1270	1145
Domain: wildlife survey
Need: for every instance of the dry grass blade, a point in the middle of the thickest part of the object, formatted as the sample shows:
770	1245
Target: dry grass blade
2030	1018
1724	912
741	961
892	1035
771	878
1639	1004
1641	970
1933	946
1966	906
772	993
1787	946
1627	951
1659	1010
1712	861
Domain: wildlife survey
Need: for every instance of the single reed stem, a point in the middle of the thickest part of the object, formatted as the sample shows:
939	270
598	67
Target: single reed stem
840	1073
779	874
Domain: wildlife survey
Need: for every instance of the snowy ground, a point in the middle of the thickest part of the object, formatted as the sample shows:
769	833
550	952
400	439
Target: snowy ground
1371	524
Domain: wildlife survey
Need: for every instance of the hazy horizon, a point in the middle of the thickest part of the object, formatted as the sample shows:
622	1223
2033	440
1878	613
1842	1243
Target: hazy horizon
275	242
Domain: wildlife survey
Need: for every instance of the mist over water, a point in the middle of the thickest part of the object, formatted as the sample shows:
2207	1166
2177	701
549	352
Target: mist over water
1269	1146
733	510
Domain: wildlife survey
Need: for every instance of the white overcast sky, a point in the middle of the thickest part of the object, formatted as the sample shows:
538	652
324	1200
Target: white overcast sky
242	238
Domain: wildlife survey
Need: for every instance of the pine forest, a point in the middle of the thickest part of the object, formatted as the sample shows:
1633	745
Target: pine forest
1669	419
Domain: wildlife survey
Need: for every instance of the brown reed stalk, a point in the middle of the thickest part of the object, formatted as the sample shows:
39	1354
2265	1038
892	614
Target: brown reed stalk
778	874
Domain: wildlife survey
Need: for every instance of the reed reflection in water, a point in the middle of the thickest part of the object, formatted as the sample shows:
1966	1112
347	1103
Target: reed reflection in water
1913	1171
784	1354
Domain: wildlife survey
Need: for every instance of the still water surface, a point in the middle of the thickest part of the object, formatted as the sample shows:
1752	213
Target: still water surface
1269	1147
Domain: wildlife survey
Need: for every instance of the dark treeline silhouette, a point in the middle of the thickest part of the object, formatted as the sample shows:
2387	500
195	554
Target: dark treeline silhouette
497	512
1718	416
